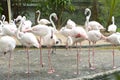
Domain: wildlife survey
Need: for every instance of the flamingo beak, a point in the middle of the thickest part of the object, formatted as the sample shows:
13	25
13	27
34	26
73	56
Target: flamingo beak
56	18
27	30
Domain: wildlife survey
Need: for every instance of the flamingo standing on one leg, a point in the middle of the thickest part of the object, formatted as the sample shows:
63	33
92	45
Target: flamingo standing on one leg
27	39
7	44
49	40
114	39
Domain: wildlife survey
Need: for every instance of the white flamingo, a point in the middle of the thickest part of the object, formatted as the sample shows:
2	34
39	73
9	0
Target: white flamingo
91	25
27	39
70	24
26	24
43	30
50	40
114	39
7	44
8	29
93	36
42	21
112	27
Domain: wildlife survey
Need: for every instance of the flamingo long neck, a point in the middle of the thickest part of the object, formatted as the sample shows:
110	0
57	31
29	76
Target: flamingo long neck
38	18
18	30
89	14
113	20
69	40
52	21
1	25
87	19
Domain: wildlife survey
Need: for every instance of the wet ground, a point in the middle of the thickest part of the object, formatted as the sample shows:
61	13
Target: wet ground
63	61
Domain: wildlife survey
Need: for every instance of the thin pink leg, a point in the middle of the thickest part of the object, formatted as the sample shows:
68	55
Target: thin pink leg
89	56
78	59
41	62
9	66
113	58
51	70
93	53
28	71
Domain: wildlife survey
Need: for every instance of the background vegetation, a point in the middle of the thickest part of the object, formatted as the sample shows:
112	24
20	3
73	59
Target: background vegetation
102	10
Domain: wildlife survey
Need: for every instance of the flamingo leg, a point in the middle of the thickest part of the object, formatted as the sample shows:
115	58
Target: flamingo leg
51	70
67	49
28	71
41	62
113	57
93	54
89	56
9	66
78	58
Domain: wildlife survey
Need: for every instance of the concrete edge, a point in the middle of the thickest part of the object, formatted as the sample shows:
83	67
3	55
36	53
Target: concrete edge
97	75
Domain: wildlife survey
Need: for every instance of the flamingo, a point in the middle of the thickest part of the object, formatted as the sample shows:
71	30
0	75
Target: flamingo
9	29
27	39
42	21
112	27
7	44
91	25
74	35
43	30
26	24
3	19
93	36
49	40
114	39
70	24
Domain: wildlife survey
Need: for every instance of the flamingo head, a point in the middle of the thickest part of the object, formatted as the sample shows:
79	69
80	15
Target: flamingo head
18	19
55	16
38	11
87	10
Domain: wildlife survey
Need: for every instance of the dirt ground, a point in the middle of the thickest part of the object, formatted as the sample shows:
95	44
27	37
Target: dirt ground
63	61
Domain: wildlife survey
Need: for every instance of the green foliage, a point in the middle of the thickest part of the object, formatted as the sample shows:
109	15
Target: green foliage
57	6
109	8
1	9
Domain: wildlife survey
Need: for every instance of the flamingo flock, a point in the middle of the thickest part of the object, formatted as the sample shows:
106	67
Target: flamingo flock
42	34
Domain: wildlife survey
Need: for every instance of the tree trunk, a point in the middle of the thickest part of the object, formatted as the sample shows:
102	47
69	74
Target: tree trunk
95	10
5	9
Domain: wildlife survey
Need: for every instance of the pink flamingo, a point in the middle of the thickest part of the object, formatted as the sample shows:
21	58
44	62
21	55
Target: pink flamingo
114	39
93	36
49	40
76	34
